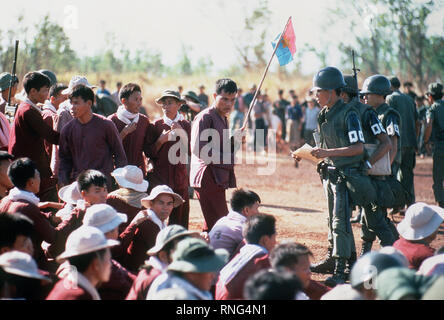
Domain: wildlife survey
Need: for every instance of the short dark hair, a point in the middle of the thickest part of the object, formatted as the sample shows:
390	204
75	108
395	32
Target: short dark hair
227	85
12	226
91	177
86	93
243	198
35	80
82	262
128	89
20	171
394	81
5	156
258	226
56	89
272	285
436	96
280	92
102	81
288	254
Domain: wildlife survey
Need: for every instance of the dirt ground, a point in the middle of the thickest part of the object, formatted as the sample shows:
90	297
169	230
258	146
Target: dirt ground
296	198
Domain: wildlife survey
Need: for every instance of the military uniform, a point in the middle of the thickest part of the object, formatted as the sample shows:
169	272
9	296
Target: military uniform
405	106
435	114
374	219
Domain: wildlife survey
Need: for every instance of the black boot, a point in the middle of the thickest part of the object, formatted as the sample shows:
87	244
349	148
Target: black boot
325	266
366	247
339	276
350	263
357	219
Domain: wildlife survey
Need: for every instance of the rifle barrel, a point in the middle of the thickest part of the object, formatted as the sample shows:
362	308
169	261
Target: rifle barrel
14	64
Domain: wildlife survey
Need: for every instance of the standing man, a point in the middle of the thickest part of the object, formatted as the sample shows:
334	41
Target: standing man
435	132
29	131
342	147
280	107
405	106
90	141
115	94
203	98
209	174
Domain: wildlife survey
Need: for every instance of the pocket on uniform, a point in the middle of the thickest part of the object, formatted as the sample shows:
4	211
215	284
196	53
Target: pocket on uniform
361	189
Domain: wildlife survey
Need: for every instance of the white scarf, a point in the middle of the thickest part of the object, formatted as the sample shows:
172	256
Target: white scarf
32	104
247	252
48	106
168	281
156	263
169	122
125	116
154	218
72	279
16	194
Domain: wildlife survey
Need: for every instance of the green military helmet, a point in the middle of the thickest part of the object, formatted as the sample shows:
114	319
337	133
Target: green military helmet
434	89
376	84
329	78
192	96
370	265
51	75
5	80
352	84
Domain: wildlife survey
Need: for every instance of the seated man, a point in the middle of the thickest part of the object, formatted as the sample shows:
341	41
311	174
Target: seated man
26	179
260	234
191	271
295	257
227	232
418	229
160	204
160	258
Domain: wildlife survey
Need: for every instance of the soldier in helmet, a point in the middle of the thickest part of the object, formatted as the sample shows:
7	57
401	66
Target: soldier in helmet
342	146
374	220
406	108
375	89
435	132
51	75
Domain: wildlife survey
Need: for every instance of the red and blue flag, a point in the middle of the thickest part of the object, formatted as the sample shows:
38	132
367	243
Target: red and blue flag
287	45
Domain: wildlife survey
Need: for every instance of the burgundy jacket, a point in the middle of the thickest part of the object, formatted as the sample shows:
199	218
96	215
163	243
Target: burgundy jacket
143	282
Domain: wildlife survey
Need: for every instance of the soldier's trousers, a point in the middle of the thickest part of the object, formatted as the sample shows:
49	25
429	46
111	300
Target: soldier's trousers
374	224
340	233
405	172
438	178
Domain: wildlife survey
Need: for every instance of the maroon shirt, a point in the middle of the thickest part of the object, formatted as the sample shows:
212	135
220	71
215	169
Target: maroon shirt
118	285
234	290
93	145
415	253
27	135
143	282
316	290
59	292
48	116
143	240
223	172
123	207
137	142
43	229
173	175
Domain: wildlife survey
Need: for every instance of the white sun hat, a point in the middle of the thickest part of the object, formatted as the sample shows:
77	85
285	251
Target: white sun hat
75	81
84	240
421	220
21	264
103	217
130	177
70	193
162	189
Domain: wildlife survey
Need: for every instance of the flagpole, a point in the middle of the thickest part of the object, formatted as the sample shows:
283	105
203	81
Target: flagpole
263	77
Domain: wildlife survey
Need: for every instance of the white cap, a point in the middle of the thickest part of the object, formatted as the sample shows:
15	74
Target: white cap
84	240
75	81
130	177
21	264
162	189
70	193
432	266
103	217
421	220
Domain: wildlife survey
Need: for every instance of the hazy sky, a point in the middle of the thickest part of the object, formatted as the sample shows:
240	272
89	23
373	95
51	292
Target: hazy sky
208	26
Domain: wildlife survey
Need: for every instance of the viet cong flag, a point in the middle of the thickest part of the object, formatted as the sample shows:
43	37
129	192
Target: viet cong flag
287	46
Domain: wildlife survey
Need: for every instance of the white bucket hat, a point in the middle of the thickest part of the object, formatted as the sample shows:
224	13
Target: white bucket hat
21	264
130	177
70	193
84	240
420	221
103	217
162	189
75	81
432	266
168	234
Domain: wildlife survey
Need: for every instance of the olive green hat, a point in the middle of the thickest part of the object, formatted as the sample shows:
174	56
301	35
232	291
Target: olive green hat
195	255
192	96
434	88
5	80
170	93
